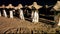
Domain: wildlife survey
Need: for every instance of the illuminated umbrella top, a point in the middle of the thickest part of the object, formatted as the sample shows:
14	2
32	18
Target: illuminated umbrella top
30	6
3	6
46	6
57	6
35	5
26	6
19	6
9	6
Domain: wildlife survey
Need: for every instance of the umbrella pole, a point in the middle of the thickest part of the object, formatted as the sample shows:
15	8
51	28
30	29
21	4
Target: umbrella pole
21	15
32	14
4	13
36	17
11	14
0	13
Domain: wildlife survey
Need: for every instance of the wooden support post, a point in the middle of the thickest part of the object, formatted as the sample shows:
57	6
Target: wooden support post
32	14
11	14
36	17
21	15
4	13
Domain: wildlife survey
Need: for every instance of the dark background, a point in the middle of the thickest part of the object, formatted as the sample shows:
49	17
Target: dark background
28	2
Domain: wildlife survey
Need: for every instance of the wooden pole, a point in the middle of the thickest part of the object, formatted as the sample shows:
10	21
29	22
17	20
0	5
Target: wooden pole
11	14
21	14
36	17
32	14
4	13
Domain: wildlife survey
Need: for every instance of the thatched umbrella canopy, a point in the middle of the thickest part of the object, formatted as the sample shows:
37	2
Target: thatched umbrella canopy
3	6
11	10
9	6
35	5
30	6
20	11
19	6
57	6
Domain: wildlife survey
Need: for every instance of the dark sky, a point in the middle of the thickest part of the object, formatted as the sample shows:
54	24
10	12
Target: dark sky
28	2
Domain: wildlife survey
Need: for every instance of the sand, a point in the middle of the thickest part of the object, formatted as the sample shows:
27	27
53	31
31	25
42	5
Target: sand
16	25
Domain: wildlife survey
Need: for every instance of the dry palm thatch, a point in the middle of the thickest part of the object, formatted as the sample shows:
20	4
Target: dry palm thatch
19	6
9	6
57	6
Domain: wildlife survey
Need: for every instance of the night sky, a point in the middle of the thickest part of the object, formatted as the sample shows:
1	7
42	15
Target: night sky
28	2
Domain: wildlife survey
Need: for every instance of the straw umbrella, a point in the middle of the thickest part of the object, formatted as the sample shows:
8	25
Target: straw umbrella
57	9
20	11
26	11
11	11
57	6
4	11
32	11
26	7
35	16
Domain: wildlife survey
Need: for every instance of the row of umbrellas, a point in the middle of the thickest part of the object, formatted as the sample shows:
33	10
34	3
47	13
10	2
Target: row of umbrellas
20	6
11	6
34	15
34	4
